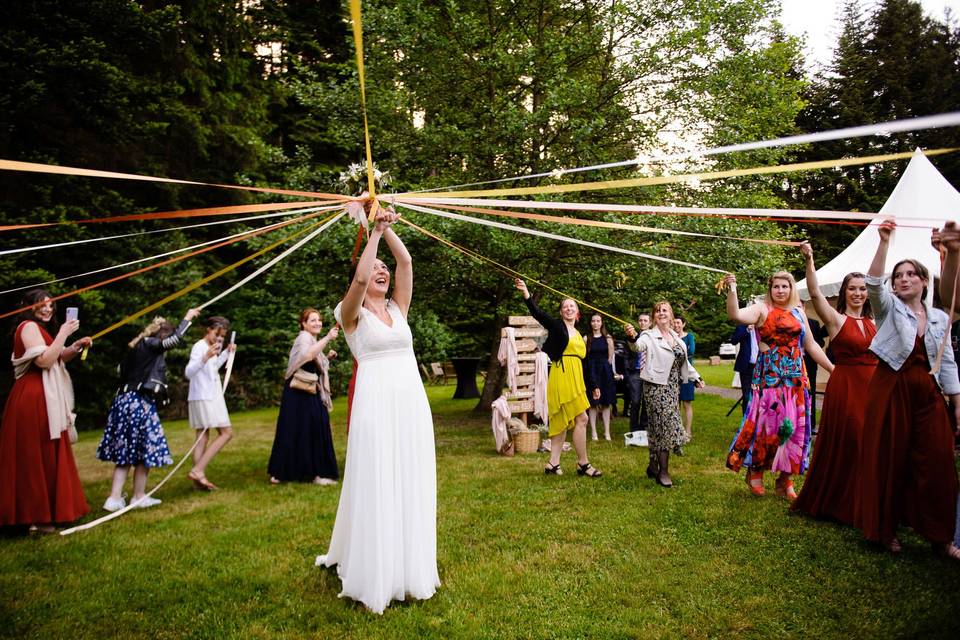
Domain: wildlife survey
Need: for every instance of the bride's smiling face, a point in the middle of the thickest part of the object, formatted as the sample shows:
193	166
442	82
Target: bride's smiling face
379	279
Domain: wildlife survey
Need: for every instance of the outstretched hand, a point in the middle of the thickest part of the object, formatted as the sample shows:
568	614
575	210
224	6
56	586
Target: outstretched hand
807	250
885	229
948	237
522	287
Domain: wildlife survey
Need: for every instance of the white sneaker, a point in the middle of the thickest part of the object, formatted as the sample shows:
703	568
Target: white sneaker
146	502
114	505
327	482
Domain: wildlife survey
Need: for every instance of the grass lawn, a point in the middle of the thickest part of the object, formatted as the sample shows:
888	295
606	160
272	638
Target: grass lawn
521	555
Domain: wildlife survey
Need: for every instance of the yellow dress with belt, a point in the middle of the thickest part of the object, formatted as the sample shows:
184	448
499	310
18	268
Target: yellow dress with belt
566	390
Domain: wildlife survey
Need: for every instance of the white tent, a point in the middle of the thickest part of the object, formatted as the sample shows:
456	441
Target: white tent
922	199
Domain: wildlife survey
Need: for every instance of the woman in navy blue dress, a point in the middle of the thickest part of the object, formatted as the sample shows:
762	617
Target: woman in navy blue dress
303	445
686	388
600	362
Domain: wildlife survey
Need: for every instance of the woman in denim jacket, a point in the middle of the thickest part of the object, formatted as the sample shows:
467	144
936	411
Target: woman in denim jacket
907	473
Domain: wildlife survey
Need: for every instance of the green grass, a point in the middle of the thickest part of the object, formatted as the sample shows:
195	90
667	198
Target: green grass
521	554
720	375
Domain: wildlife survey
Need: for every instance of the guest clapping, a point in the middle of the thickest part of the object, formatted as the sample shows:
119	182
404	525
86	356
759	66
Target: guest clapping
303	444
39	483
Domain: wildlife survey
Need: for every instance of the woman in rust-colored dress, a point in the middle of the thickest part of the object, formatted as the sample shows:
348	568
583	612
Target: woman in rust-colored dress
906	470
39	483
828	491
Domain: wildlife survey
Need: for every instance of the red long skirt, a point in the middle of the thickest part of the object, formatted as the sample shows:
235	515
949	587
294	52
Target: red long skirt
39	483
907	472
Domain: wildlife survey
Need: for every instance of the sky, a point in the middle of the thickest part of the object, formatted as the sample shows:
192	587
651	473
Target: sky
818	20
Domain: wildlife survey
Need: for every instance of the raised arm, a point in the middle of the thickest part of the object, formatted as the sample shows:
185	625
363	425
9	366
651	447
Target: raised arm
747	315
32	337
831	318
816	351
403	278
353	300
880	257
949	239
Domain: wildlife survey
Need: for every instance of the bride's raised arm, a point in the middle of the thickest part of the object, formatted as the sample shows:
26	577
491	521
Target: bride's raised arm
353	300
403	277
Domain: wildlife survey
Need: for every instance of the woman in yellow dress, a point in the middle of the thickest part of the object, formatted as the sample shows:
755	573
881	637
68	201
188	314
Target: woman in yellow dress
566	388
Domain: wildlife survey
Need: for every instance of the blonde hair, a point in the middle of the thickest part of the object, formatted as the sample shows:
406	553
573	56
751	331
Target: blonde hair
794	300
668	305
156	325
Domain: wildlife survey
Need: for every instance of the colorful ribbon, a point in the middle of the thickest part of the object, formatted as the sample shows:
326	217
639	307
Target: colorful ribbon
687	177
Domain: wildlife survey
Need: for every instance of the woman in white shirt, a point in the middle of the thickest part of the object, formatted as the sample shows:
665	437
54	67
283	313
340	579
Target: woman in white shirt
208	409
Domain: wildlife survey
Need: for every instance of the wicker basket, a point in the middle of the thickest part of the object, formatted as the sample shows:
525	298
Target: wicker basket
526	441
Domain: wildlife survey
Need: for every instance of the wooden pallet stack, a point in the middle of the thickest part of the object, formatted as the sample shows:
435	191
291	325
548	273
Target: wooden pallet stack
528	334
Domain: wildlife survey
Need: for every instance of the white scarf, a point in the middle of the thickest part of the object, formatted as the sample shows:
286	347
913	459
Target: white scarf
57	391
298	357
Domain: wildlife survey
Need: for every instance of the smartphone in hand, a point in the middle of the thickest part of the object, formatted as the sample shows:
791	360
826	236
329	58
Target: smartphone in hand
72	313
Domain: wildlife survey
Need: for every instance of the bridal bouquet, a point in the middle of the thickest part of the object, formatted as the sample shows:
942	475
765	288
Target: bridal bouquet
353	181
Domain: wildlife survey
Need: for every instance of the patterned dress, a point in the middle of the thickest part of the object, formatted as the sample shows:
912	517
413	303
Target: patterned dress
775	434
134	434
665	431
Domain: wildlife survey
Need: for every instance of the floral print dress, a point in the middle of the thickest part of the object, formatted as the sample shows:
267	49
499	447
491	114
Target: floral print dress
665	431
775	433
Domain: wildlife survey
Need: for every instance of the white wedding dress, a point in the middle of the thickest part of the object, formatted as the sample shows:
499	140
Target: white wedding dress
384	539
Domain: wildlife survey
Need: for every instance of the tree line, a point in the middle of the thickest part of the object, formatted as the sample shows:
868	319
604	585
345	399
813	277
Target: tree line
266	93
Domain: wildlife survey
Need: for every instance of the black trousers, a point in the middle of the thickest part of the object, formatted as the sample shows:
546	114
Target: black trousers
638	409
746	380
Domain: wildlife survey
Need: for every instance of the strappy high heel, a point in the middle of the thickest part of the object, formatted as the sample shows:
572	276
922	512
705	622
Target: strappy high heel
553	470
588	470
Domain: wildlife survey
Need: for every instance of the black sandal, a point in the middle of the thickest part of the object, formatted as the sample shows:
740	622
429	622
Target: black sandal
553	470
585	469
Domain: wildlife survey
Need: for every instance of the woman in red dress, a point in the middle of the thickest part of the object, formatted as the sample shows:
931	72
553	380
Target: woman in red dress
906	466
39	484
828	490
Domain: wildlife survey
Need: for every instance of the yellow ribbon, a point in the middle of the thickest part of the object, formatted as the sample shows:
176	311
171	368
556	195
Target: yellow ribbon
507	270
357	23
199	283
657	180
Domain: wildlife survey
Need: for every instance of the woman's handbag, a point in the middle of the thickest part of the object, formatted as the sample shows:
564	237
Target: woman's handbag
304	381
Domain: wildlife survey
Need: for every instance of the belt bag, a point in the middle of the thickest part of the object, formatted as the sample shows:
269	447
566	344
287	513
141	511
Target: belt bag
304	381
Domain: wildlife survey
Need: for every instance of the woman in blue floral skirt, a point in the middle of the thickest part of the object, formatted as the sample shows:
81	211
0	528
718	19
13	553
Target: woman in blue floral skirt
134	435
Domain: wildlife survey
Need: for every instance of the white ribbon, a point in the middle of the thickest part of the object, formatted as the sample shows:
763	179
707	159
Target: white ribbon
175	251
554	236
940	121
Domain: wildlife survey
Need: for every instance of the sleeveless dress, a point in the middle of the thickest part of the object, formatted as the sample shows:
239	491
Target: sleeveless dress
384	540
39	483
828	491
775	433
303	443
664	430
598	361
566	390
906	470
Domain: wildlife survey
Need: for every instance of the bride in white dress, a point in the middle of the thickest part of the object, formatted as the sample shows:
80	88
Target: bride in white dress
384	539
